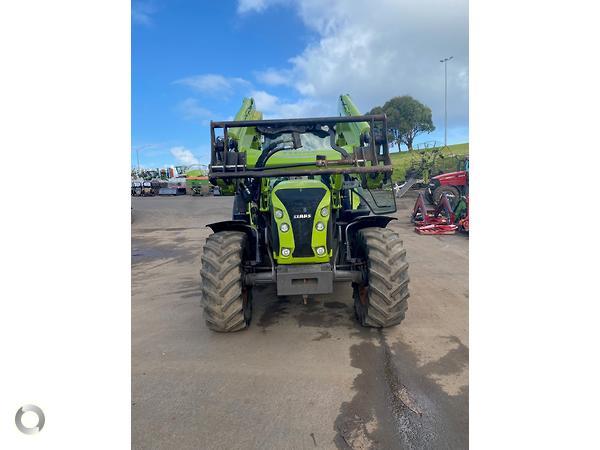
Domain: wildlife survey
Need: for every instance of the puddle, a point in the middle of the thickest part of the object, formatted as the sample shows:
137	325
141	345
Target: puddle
146	250
397	405
275	310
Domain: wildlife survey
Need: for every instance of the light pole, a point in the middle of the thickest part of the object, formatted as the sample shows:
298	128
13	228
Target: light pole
137	153
445	61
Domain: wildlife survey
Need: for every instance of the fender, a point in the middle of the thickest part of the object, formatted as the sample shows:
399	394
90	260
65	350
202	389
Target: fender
252	251
363	222
452	178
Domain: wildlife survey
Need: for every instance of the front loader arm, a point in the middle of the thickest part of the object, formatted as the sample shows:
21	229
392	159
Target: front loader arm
246	137
350	133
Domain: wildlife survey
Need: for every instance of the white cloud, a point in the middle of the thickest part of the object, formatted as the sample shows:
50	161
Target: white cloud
213	84
184	156
245	6
250	5
265	102
274	77
141	12
191	109
273	107
389	48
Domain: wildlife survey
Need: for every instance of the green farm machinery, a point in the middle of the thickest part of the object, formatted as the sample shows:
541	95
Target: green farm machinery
197	182
311	198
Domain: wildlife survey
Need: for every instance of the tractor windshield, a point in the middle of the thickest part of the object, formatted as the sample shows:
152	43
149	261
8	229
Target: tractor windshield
314	141
310	140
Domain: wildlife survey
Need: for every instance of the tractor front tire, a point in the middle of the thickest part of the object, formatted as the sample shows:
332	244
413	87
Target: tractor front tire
227	301
451	192
382	300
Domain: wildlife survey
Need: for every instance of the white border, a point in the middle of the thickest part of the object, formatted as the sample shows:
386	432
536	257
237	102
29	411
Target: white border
65	319
534	309
65	125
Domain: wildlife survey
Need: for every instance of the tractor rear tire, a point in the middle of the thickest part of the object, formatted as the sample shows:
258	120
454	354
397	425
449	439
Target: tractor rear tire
451	192
227	301
383	300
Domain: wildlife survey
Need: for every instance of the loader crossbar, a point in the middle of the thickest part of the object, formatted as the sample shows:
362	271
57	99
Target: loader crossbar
355	163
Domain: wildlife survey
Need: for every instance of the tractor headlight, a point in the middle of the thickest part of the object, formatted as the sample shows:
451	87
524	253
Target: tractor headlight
284	227
285	252
278	213
320	226
325	211
321	251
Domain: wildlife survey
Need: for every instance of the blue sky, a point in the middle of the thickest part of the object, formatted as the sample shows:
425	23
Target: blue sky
194	61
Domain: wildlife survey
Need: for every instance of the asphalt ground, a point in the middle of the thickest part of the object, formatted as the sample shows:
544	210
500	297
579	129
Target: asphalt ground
302	376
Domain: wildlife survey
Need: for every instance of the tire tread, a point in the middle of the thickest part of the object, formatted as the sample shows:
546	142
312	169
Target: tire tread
387	278
221	281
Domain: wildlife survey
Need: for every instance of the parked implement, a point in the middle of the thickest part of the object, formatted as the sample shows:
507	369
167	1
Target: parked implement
309	210
196	180
198	186
147	190
453	184
136	188
175	186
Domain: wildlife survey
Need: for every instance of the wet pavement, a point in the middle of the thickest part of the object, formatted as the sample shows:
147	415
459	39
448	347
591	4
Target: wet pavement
302	376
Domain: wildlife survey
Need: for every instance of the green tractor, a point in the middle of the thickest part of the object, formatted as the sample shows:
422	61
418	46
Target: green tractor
309	211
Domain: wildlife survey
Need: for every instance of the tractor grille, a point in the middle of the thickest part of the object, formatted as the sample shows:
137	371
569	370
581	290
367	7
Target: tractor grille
301	202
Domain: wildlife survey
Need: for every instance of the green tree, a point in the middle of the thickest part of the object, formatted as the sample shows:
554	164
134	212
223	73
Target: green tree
407	118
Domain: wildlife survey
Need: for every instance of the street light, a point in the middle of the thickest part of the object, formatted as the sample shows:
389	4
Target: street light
137	153
445	61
